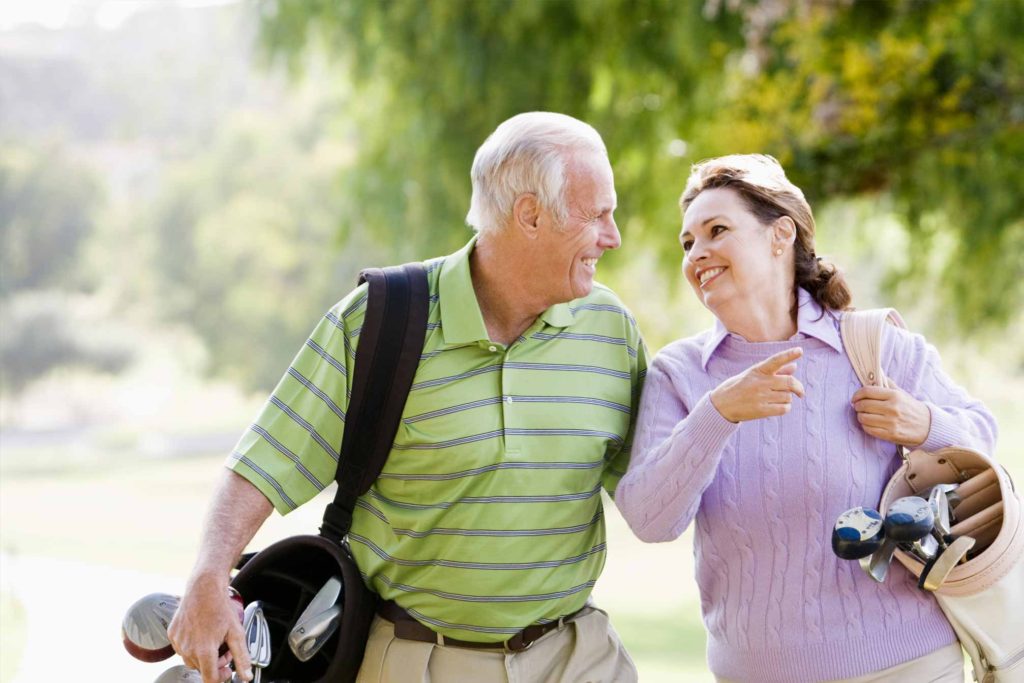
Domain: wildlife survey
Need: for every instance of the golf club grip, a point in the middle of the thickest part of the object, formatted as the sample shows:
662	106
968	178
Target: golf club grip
978	501
977	483
975	523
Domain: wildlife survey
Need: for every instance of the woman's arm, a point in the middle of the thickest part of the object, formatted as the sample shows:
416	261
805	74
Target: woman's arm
956	418
926	409
677	449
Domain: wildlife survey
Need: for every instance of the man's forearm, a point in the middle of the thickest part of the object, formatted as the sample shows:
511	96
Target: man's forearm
236	513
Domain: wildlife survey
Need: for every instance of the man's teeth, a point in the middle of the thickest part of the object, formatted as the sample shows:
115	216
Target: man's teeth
709	273
590	262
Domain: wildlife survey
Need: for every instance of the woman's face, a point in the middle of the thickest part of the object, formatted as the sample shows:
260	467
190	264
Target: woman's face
729	259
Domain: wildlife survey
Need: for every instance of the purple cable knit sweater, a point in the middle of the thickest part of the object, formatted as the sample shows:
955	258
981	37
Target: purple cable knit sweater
777	604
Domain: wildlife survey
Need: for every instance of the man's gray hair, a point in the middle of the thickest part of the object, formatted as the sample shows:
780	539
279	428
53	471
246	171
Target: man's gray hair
527	153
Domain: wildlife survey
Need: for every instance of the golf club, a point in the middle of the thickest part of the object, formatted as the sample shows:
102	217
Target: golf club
144	627
180	674
909	523
321	617
857	533
257	637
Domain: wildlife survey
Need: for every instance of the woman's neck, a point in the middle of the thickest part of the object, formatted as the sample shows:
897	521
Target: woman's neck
770	319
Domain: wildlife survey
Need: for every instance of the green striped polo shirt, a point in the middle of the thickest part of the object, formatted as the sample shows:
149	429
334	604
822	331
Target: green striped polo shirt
487	516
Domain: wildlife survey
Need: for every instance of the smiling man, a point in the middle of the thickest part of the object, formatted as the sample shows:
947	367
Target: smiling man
485	533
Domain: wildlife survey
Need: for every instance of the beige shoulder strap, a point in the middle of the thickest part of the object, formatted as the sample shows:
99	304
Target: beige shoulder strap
861	332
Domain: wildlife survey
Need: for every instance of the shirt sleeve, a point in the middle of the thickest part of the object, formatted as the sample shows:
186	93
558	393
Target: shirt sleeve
616	468
674	459
957	419
290	452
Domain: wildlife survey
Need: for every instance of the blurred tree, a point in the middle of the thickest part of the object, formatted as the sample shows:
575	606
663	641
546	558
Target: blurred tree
920	101
44	330
246	247
46	213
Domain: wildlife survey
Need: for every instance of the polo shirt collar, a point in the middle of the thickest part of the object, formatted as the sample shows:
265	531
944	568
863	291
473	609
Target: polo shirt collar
461	319
810	322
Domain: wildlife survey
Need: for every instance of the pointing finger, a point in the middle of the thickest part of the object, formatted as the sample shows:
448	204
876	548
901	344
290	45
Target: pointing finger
788	369
773	364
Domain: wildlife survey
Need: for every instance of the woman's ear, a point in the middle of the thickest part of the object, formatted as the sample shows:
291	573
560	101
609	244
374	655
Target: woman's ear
783	231
526	214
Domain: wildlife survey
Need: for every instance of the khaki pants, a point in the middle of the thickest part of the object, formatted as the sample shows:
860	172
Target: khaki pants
586	650
945	665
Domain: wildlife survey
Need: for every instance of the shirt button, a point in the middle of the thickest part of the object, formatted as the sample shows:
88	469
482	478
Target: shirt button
492	348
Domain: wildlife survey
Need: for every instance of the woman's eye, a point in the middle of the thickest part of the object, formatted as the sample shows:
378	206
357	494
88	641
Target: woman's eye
687	245
716	230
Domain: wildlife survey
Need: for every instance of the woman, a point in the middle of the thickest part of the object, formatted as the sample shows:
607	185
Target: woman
758	429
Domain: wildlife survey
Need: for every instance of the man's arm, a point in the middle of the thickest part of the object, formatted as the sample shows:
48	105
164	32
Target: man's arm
206	618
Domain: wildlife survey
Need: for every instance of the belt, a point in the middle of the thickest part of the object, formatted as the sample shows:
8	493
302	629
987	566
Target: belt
407	628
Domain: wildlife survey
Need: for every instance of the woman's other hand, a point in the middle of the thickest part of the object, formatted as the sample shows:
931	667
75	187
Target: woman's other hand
762	390
892	415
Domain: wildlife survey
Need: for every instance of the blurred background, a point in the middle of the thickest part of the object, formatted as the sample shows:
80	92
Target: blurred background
186	186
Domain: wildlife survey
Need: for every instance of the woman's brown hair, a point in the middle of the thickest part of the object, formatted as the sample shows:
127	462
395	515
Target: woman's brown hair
762	184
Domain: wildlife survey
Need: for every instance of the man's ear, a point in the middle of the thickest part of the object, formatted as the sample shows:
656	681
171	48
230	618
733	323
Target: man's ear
526	214
783	231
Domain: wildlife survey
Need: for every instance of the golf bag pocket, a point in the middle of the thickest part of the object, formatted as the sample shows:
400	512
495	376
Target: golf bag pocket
983	595
286	577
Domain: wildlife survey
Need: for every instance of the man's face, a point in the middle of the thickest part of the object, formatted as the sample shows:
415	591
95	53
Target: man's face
569	252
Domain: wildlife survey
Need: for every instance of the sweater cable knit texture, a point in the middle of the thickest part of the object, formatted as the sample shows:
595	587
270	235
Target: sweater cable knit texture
777	604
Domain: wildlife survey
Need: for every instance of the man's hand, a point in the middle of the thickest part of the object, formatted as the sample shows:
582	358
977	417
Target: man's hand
205	619
892	415
762	390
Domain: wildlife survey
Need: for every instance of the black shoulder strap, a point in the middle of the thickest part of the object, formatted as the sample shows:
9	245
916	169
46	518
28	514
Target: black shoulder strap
388	353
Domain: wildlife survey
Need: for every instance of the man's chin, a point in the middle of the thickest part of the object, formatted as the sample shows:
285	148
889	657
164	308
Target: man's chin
582	289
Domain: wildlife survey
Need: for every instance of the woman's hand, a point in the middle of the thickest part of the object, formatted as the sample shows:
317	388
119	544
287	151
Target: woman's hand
762	390
892	415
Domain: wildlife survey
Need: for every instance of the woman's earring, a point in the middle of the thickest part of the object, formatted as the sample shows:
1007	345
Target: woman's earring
778	252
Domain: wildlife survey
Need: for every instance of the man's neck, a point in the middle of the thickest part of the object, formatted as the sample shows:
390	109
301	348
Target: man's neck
500	281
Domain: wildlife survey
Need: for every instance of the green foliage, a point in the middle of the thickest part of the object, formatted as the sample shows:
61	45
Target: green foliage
922	102
46	213
435	78
245	247
41	332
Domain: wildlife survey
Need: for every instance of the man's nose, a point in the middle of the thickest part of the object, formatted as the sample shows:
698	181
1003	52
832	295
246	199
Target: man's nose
610	238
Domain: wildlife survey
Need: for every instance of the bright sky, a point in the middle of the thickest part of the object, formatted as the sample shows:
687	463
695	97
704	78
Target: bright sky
107	14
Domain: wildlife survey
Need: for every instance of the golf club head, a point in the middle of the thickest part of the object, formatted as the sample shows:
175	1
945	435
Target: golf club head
857	533
257	634
938	498
317	622
180	674
877	565
144	627
309	635
909	519
925	549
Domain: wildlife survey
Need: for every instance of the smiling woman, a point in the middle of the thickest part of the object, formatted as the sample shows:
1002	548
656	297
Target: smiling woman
758	431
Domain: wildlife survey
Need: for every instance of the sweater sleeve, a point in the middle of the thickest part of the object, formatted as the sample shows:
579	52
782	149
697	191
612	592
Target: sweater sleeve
676	452
957	419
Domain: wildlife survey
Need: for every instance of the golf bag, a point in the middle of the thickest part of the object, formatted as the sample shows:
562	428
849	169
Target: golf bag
983	597
286	575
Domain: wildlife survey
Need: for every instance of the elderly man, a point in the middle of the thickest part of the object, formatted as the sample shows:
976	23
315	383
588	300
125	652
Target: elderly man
487	518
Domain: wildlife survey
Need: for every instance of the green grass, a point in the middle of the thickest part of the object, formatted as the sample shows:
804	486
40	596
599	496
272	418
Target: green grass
12	636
